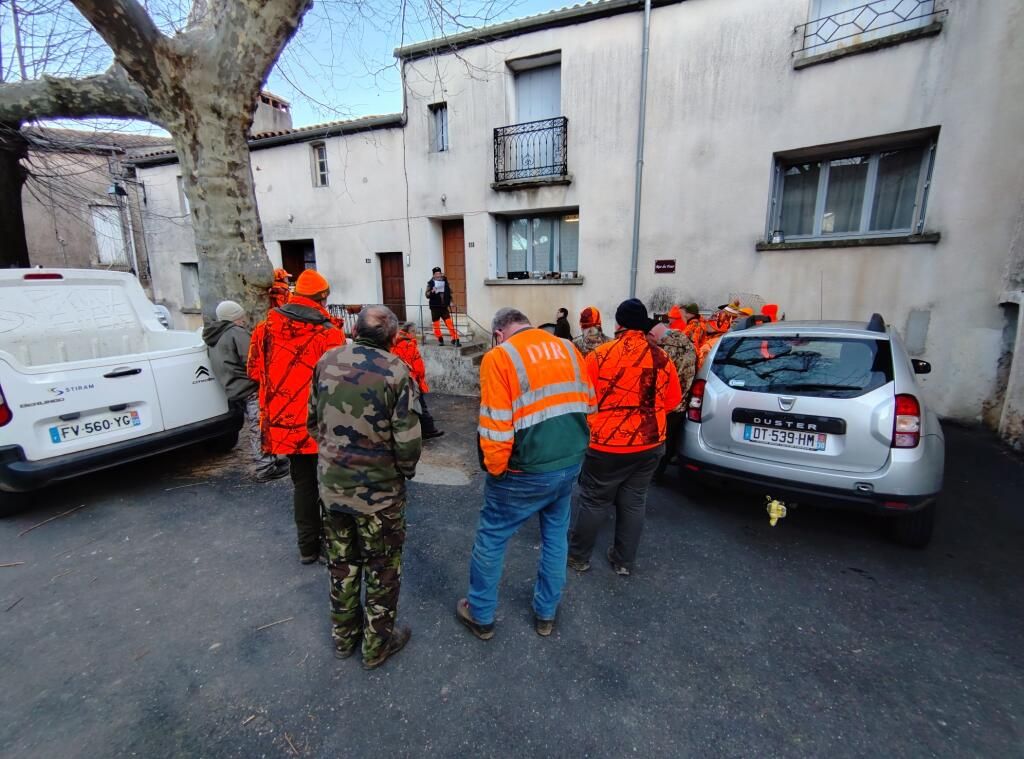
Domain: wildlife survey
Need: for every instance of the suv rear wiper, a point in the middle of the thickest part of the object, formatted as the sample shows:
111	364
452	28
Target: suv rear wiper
814	386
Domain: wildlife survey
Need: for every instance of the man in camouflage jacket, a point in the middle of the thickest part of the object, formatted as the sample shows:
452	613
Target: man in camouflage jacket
364	414
680	349
591	335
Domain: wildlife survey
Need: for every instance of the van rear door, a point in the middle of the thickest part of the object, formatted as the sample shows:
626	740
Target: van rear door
77	407
186	387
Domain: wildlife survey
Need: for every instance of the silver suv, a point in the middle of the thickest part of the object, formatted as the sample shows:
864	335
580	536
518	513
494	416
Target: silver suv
819	412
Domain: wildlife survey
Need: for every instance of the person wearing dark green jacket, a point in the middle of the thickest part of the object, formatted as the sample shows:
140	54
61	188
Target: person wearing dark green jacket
227	342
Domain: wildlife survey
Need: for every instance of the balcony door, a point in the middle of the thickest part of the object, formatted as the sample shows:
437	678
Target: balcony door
539	93
538	97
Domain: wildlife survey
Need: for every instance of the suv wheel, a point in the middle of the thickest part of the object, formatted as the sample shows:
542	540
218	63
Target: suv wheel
915	529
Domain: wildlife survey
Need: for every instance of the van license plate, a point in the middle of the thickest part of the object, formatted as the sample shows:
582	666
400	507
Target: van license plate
808	441
94	425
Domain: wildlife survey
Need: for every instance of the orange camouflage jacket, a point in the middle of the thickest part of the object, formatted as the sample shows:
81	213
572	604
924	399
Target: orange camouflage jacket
407	349
636	385
282	353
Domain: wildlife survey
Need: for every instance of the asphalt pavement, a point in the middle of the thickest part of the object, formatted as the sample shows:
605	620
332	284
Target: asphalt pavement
169	616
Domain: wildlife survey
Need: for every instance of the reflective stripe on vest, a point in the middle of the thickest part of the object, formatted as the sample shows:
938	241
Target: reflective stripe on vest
496	414
528	396
573	407
503	436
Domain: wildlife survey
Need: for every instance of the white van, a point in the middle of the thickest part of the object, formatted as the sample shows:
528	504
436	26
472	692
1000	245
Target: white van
89	378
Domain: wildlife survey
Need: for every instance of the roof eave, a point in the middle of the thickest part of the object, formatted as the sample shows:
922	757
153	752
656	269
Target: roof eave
324	131
565	17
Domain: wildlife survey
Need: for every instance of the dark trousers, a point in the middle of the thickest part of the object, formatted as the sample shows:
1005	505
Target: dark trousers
426	419
673	429
306	501
613	479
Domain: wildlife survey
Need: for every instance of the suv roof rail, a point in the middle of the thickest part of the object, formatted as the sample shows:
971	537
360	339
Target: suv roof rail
876	323
751	321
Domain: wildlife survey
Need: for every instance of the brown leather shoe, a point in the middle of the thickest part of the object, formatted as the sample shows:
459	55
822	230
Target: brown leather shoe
543	627
483	632
399	637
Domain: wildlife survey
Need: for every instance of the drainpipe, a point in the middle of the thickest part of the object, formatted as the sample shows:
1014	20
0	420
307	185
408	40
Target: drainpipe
640	148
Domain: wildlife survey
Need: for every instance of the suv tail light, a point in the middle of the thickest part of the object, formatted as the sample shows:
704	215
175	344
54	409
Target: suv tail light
43	275
906	429
693	408
5	411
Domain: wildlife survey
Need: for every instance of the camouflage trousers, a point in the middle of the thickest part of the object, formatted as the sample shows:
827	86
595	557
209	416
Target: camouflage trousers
364	551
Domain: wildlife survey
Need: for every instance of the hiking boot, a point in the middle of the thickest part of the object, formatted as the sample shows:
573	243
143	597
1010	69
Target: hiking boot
580	565
432	434
399	637
543	627
440	341
483	632
344	653
620	569
279	470
312	559
457	343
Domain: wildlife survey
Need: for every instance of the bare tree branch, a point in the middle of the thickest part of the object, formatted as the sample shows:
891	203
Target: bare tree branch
110	94
269	27
130	32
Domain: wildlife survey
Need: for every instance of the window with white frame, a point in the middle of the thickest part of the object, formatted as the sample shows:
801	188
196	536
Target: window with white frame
110	243
540	244
834	24
183	203
319	157
190	286
439	127
852	193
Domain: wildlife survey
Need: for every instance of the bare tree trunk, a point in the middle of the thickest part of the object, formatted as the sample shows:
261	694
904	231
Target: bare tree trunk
13	147
233	264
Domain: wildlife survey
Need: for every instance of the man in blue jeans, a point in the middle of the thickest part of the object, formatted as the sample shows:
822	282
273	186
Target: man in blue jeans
535	396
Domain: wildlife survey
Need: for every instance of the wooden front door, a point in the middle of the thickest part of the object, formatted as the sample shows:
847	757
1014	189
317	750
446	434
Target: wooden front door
297	256
392	278
455	261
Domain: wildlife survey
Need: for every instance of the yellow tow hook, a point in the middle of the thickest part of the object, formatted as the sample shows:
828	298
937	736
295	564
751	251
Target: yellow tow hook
776	510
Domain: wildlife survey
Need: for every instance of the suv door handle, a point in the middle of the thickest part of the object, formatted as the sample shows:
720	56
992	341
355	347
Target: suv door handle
122	373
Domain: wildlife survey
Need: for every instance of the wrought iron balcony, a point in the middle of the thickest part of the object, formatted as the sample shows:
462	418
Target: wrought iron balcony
867	20
534	150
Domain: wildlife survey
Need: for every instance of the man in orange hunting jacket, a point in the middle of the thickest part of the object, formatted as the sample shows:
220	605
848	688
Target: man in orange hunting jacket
282	353
279	291
636	385
407	349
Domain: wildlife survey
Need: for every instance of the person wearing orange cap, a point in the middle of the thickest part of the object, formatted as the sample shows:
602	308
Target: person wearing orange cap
282	354
591	335
676	320
279	291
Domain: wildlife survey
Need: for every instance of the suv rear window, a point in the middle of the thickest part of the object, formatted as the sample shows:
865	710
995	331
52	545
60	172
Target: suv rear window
824	367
